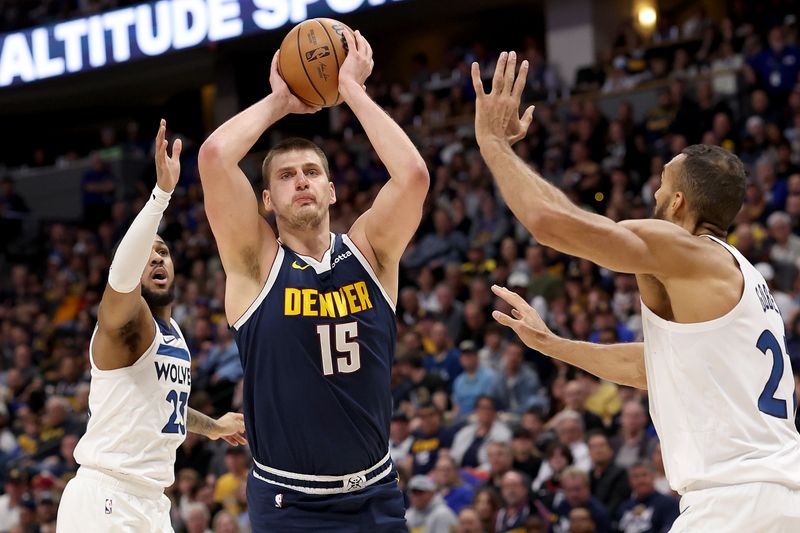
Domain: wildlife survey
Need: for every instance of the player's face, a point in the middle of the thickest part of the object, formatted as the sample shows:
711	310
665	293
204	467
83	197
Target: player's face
158	276
300	192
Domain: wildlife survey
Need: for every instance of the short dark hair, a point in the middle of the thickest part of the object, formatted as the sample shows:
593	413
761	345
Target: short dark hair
288	145
713	180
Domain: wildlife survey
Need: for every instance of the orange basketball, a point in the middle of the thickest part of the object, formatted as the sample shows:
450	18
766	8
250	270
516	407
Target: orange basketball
311	54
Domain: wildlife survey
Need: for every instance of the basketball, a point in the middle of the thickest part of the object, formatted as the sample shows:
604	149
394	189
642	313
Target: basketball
310	57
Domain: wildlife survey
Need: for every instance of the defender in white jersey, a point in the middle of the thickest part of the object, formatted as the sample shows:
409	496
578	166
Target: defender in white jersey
714	357
141	378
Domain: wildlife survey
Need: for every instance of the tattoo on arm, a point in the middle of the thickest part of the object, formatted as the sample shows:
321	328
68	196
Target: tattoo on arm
199	423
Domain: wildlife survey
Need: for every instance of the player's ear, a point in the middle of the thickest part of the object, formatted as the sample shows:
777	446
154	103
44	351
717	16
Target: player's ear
678	202
266	198
333	193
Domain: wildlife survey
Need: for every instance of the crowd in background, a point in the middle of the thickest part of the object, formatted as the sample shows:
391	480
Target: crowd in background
487	435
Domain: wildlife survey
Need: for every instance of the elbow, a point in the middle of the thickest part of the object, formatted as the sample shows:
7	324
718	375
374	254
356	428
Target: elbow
421	176
541	223
211	153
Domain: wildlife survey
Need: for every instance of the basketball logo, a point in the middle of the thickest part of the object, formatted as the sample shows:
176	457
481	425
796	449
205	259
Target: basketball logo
108	505
279	500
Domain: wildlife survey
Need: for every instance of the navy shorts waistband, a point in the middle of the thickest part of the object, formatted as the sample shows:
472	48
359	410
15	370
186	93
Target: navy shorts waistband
321	484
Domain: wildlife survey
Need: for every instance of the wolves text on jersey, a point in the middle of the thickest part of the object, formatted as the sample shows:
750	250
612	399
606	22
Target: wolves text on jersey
179	374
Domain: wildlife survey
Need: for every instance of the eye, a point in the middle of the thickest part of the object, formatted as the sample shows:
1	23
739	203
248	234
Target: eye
312	172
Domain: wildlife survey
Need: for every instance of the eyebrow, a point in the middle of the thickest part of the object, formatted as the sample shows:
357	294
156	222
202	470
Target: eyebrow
304	165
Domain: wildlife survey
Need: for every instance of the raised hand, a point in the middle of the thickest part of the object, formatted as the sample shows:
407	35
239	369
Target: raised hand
288	102
525	322
357	65
168	169
497	113
229	427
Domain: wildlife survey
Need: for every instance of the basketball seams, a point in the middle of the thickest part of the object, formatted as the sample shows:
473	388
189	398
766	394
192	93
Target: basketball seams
335	56
302	62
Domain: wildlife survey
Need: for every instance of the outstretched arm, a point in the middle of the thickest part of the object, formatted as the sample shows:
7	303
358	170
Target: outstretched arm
394	216
649	248
243	236
621	363
229	427
124	323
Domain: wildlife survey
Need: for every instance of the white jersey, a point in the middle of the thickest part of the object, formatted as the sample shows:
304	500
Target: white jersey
138	413
722	393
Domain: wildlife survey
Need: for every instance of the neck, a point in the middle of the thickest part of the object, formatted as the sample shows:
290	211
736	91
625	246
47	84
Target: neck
705	228
164	313
311	242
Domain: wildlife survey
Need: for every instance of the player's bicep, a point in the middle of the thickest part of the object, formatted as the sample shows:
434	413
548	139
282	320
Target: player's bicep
232	210
393	218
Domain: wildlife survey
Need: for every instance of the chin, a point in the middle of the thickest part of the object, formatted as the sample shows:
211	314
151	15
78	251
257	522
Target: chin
158	297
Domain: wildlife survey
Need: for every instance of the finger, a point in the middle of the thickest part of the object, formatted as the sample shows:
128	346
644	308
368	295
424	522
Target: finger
516	314
240	439
511	297
229	440
527	118
176	150
519	83
360	42
499	70
368	47
508	75
275	60
477	83
162	132
351	42
504	319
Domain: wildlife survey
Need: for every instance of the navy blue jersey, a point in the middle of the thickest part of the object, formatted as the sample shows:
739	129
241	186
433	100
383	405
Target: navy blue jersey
317	348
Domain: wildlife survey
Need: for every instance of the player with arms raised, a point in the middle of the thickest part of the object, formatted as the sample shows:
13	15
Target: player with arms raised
314	311
713	359
141	378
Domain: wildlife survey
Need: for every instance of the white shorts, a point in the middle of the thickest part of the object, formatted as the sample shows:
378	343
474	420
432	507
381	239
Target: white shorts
95	501
749	507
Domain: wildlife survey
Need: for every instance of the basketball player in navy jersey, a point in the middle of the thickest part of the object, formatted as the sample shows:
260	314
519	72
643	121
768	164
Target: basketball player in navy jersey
714	357
141	379
314	312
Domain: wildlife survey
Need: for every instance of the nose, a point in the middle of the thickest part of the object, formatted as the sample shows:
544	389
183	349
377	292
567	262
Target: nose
301	183
156	259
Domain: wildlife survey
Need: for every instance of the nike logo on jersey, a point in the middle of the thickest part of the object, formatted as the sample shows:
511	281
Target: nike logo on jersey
169	338
298	267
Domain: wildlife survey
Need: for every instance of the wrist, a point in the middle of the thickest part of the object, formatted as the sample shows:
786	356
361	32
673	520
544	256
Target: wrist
160	194
349	88
277	105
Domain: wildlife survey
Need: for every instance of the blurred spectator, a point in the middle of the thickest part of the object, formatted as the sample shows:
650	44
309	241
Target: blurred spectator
569	428
14	489
776	67
648	511
428	512
516	509
429	439
469	521
609	483
475	380
444	361
527	458
442	246
226	489
487	503
400	438
98	192
575	487
417	387
222	369
197	518
633	443
470	442
518	387
581	521
450	485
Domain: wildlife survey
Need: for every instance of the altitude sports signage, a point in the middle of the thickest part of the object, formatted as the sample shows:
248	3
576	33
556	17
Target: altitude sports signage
149	30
